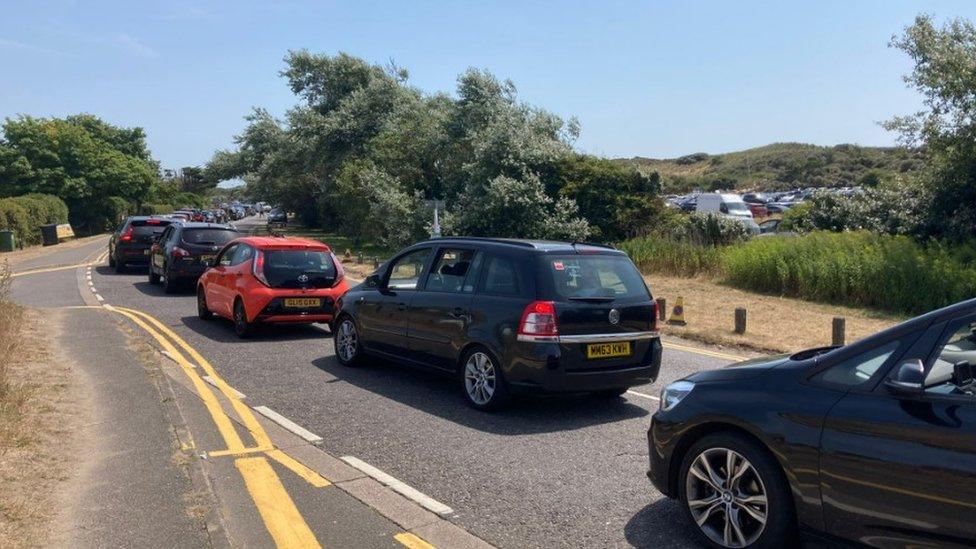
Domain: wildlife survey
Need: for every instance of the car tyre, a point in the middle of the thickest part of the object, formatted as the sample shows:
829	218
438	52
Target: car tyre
482	381
202	310
751	508
119	267
242	327
169	284
153	277
111	261
345	337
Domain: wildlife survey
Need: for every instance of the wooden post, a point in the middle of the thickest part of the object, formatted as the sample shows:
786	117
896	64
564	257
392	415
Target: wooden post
837	331
360	259
662	308
740	321
376	263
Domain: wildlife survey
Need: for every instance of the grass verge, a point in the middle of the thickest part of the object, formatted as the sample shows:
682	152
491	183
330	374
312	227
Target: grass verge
774	324
38	414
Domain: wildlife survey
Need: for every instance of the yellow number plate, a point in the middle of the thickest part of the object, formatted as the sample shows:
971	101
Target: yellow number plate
206	258
608	350
302	302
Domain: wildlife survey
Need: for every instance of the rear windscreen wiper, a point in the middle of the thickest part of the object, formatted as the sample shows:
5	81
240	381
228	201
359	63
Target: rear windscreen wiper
597	298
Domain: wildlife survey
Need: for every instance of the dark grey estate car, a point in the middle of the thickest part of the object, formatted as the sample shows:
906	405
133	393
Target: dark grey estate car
507	316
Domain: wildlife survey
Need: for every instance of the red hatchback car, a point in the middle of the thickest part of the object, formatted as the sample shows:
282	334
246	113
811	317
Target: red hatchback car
271	280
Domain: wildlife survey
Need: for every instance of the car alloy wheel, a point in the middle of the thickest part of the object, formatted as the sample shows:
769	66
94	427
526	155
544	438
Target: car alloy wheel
347	341
726	497
480	378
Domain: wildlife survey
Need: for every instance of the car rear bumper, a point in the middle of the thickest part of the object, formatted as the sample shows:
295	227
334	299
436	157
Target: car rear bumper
294	319
557	367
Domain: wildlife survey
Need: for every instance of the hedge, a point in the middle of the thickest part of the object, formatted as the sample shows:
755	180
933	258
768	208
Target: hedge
24	215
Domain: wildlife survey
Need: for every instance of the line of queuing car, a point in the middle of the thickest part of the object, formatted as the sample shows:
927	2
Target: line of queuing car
872	443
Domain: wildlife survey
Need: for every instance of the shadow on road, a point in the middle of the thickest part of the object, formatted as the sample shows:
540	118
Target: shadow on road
660	524
222	330
441	396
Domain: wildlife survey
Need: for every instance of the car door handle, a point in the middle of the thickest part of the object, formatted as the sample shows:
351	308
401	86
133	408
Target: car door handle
401	306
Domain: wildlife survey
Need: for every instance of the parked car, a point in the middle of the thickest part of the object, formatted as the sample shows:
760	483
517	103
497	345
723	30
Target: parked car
507	316
184	250
779	207
271	280
723	203
277	217
873	442
130	243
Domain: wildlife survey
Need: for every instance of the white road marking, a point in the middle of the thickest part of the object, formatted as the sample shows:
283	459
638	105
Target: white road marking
173	358
400	487
100	298
211	381
287	424
635	393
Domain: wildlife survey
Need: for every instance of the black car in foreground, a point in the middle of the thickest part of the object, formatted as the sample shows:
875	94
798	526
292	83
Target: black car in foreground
132	239
184	250
874	442
507	316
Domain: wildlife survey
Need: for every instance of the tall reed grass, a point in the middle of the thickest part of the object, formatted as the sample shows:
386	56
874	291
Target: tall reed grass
863	269
892	273
672	256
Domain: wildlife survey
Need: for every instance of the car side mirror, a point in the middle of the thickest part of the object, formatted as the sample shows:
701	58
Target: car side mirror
372	281
909	378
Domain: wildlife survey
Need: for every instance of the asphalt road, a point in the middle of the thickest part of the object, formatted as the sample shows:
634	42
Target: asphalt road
543	473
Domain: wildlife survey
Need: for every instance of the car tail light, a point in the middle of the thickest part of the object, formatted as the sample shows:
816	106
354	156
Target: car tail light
127	235
257	268
654	315
178	253
340	272
539	319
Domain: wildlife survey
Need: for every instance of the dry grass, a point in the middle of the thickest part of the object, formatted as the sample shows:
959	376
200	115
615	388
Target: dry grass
38	415
776	324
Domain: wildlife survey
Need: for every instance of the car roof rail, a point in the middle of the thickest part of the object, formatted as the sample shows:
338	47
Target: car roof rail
593	244
512	242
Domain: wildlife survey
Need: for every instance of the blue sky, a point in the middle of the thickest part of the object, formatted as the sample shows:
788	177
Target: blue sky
659	79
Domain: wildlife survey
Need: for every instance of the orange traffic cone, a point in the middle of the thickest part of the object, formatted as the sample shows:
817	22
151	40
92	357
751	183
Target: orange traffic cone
678	313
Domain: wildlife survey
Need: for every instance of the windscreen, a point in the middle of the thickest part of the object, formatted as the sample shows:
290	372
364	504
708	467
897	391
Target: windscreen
209	237
595	277
141	229
299	269
736	206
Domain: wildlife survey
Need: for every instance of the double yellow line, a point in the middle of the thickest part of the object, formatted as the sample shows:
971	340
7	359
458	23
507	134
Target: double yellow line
281	517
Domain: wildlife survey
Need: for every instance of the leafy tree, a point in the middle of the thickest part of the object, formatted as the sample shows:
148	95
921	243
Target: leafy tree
80	159
945	75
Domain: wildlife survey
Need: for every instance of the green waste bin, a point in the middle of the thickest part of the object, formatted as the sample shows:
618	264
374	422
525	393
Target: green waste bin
6	241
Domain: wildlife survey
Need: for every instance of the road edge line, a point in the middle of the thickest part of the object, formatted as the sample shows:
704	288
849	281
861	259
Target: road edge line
288	424
399	487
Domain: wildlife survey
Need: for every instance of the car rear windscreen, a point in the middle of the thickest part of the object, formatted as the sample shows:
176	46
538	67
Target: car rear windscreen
299	269
594	277
148	227
209	237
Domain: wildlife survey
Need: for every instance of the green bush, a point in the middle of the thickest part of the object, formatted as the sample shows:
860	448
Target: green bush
893	273
54	209
155	209
14	217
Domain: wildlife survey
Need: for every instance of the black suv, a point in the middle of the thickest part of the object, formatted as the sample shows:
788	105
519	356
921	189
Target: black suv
507	316
132	239
184	251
